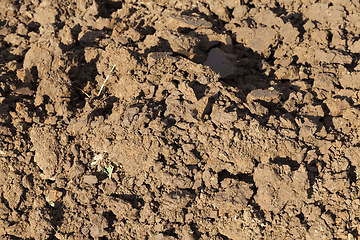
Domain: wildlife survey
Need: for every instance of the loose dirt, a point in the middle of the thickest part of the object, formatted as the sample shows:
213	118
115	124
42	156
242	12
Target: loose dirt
219	119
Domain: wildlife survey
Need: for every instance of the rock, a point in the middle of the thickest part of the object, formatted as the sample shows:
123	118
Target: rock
126	87
175	21
335	182
83	5
221	62
337	42
24	91
273	190
5	226
267	95
157	61
324	81
287	73
38	220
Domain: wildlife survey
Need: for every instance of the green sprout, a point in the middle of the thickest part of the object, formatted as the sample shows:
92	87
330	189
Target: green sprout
51	203
109	170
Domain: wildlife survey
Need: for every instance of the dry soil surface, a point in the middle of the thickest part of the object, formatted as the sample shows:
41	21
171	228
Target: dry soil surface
179	119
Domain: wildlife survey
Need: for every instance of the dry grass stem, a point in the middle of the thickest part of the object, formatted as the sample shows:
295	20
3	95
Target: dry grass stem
107	77
82	91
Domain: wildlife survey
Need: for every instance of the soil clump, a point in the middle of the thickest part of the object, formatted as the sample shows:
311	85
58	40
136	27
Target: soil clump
179	119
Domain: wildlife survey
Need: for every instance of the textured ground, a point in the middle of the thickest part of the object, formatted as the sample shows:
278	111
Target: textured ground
220	119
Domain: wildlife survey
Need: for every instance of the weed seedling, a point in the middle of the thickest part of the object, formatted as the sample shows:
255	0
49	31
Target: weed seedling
109	170
51	203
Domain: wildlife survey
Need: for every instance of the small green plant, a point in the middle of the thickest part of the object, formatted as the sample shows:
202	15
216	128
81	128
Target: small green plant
109	170
51	203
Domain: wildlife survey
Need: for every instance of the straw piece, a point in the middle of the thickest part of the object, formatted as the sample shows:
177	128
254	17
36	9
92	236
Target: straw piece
107	77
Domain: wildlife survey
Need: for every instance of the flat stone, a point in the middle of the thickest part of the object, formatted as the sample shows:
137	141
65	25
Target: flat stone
267	95
221	62
187	21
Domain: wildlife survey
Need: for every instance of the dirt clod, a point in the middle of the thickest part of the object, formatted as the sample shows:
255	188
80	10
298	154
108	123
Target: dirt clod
195	119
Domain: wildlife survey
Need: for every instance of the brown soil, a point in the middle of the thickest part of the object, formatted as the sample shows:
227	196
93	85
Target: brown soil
221	119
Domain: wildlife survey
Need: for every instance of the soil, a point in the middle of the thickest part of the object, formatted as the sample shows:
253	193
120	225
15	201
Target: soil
179	119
